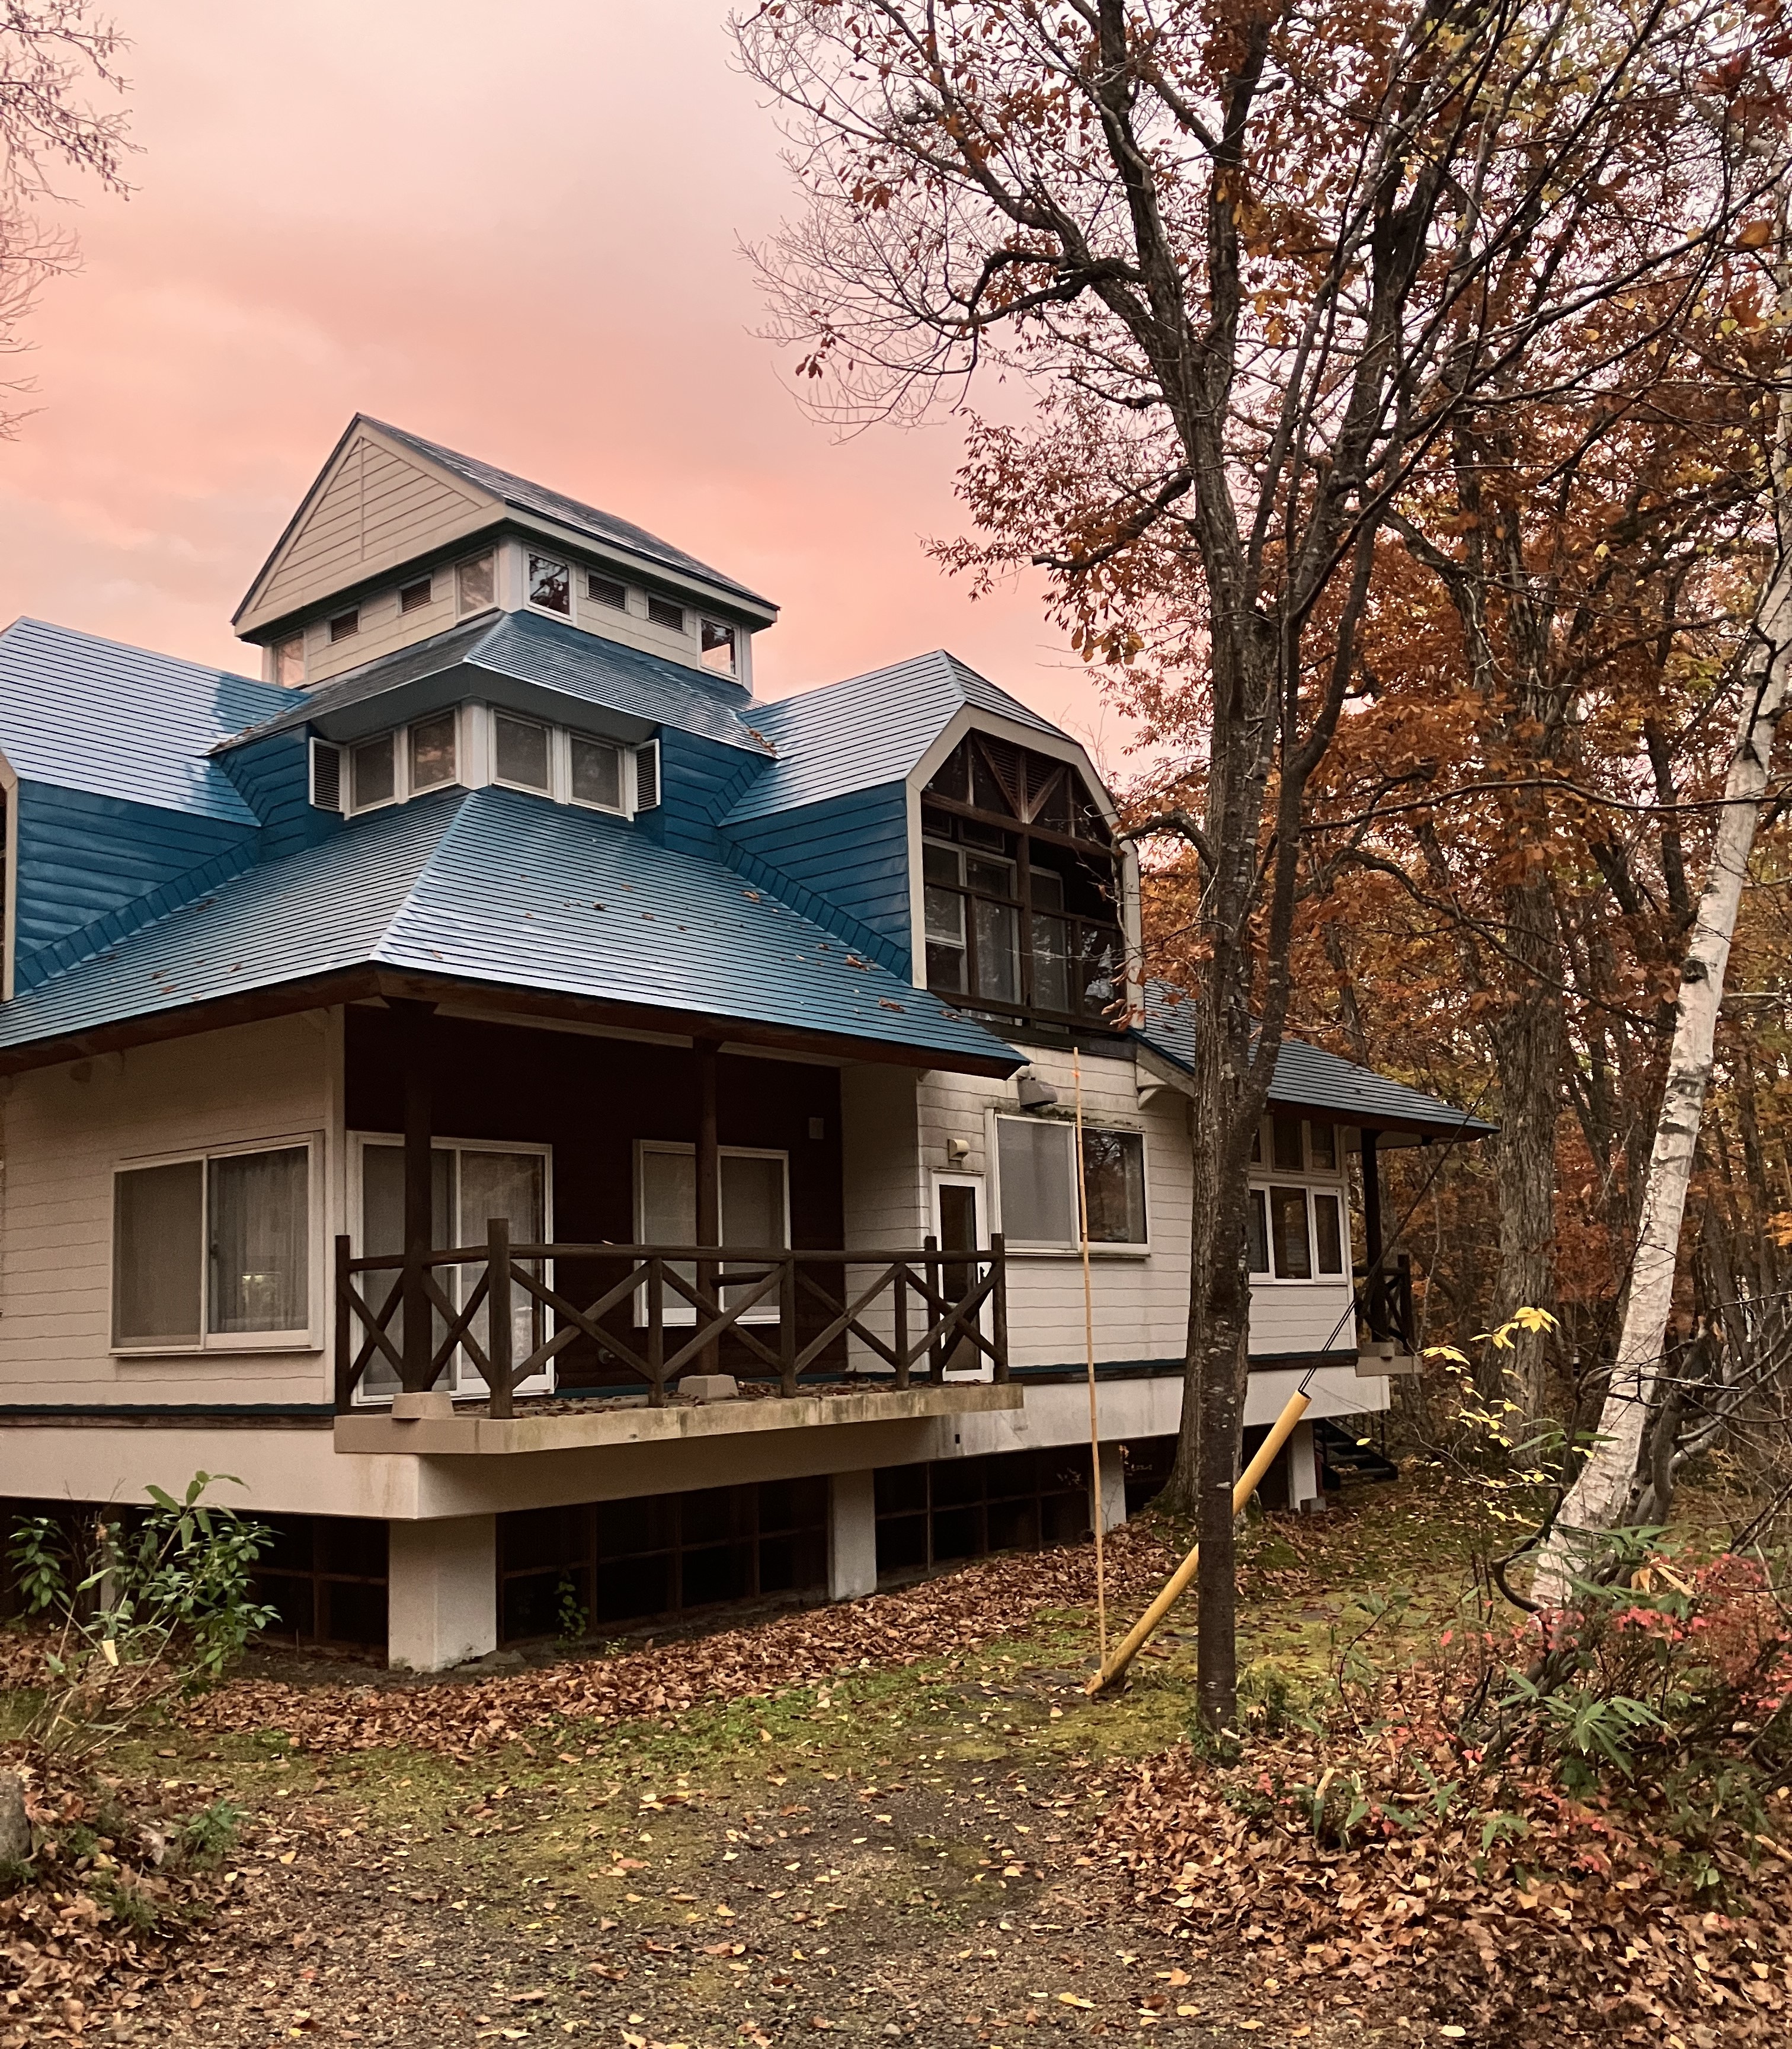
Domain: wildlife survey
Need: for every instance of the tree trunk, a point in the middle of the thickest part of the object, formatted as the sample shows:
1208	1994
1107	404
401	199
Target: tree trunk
1528	1043
1610	1484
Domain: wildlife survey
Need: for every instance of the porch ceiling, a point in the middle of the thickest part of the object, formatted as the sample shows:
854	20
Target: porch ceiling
613	1423
535	906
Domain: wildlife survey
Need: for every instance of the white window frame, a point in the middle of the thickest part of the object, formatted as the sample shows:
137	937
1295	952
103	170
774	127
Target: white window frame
310	1339
555	749
562	561
1309	1187
399	737
1098	1248
468	1385
678	1311
721	626
625	771
494	555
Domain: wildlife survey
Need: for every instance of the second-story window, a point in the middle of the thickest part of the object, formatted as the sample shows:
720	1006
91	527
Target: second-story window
550	585
289	662
520	750
1019	887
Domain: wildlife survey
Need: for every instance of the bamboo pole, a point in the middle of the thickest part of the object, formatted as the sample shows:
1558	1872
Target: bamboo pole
1089	1355
1113	1668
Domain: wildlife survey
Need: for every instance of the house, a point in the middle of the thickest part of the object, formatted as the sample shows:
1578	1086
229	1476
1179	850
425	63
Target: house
438	1072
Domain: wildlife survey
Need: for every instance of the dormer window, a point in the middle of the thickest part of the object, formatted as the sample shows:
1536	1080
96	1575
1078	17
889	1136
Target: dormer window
520	752
413	596
289	662
718	647
550	585
432	752
345	625
373	778
606	590
475	584
663	612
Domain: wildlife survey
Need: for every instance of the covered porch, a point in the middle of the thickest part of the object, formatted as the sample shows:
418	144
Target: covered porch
538	1218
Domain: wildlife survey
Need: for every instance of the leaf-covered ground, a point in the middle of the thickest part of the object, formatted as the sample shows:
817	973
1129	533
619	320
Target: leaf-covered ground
881	1821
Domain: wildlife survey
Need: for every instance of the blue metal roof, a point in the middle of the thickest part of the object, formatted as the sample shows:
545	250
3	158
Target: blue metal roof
1309	1078
497	887
869	730
83	713
521	647
519	492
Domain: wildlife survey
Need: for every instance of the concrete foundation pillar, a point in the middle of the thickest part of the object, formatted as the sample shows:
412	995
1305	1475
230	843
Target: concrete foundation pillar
852	1535
1303	1489
441	1592
1112	1487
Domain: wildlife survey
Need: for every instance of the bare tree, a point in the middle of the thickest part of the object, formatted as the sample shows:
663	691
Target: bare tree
53	54
1254	260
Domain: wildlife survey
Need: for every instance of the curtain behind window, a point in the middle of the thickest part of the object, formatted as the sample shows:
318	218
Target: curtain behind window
260	1240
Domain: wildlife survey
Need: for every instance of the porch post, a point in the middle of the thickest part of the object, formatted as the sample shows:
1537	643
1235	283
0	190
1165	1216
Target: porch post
1370	1201
419	1218
708	1184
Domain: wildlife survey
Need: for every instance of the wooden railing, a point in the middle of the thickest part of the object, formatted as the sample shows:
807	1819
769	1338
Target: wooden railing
1384	1301
930	1309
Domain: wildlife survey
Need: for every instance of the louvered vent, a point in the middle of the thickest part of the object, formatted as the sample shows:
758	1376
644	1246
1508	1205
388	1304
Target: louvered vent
646	776
326	776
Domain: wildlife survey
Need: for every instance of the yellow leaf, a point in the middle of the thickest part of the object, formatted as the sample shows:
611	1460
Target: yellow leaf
1070	1999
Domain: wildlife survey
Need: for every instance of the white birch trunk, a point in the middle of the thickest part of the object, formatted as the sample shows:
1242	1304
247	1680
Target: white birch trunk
1600	1497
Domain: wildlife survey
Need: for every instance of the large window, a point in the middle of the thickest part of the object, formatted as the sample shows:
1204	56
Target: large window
1035	1176
213	1251
1019	887
1297	1231
470	1184
754	1203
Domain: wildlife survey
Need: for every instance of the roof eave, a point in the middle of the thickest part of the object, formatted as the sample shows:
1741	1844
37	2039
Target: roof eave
371	979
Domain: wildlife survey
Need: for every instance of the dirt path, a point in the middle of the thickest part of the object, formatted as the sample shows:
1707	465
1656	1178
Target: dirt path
930	1891
896	1852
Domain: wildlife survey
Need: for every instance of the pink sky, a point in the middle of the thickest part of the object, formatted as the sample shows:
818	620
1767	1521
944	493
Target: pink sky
514	232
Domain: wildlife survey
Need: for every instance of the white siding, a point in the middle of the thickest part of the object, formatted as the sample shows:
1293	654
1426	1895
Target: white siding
1141	1303
380	506
65	1128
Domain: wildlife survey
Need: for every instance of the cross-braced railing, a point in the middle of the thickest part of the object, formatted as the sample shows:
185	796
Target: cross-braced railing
1384	1302
668	1312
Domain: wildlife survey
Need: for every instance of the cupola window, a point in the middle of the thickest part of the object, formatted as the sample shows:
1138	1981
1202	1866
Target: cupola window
520	752
718	647
432	752
597	773
372	773
475	584
289	662
550	585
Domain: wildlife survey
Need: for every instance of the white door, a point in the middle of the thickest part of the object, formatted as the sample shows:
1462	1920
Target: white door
961	1226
